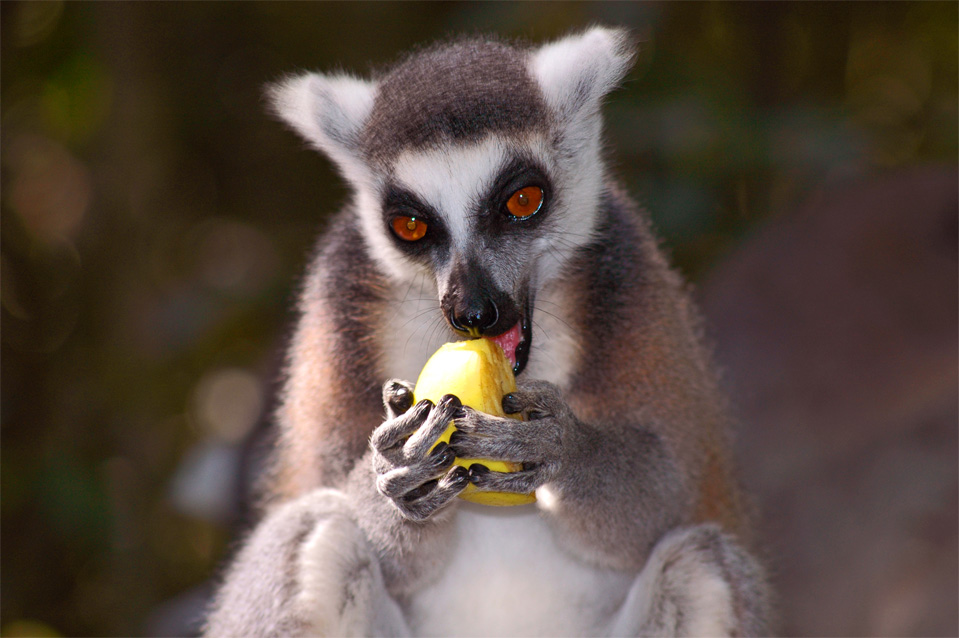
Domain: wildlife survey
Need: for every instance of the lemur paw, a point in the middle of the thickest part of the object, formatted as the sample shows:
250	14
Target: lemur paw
340	578
537	443
418	479
698	581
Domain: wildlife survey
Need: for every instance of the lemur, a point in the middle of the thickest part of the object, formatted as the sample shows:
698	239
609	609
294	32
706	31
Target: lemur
482	207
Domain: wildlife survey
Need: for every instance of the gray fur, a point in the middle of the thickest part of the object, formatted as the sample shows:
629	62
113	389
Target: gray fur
625	445
453	92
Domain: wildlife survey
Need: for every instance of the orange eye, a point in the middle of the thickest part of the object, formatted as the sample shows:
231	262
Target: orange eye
409	228
525	201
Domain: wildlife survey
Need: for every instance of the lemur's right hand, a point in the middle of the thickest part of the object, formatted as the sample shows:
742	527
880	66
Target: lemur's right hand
417	481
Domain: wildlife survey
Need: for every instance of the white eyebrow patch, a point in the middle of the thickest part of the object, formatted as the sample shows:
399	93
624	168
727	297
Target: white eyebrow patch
452	179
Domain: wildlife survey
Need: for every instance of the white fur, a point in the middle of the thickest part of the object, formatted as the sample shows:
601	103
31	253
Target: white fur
448	178
416	328
329	112
382	248
326	561
556	349
342	592
575	72
579	185
505	579
712	611
452	179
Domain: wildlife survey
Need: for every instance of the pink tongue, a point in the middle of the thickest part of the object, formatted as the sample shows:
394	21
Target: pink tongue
508	342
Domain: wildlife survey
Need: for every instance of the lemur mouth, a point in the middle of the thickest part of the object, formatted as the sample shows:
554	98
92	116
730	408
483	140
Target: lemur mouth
516	342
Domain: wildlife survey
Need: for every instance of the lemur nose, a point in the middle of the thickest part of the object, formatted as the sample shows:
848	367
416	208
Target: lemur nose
475	318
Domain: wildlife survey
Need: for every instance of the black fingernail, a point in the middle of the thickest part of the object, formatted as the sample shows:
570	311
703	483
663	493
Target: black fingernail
442	455
456	437
400	398
459	413
451	401
424	406
511	404
477	473
459	475
421	491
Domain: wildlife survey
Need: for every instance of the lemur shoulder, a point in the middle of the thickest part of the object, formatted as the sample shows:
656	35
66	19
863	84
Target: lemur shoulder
481	206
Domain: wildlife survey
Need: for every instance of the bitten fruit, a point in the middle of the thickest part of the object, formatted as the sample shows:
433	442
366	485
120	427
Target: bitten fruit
479	375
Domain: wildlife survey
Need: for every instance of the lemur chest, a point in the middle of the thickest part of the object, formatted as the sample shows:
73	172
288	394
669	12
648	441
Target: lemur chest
508	577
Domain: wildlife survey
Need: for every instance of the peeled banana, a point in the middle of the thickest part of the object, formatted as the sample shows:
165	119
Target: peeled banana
479	374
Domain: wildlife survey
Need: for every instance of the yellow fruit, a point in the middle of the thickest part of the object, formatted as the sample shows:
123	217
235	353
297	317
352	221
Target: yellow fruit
479	374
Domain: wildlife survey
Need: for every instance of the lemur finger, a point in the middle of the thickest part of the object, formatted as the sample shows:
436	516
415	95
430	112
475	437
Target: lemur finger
448	408
529	440
405	482
521	482
469	446
514	403
397	397
420	507
475	422
536	400
530	406
394	431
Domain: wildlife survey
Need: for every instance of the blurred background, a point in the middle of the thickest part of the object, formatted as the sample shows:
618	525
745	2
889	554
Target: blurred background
799	160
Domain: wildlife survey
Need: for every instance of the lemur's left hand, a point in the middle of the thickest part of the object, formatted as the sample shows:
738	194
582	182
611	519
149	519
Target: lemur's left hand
536	443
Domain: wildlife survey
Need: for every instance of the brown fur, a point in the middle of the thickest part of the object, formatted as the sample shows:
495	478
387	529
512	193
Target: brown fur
332	400
656	361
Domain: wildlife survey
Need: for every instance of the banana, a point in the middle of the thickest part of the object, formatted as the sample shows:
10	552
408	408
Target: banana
479	374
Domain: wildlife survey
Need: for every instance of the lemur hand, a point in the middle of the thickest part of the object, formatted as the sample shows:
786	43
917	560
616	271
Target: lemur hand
536	443
417	481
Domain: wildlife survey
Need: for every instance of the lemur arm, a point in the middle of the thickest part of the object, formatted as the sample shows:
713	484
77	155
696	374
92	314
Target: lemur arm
611	490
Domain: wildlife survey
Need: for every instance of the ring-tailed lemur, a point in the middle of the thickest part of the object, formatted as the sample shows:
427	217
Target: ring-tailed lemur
482	206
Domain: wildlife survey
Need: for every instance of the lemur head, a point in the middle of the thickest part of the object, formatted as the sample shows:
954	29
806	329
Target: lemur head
475	162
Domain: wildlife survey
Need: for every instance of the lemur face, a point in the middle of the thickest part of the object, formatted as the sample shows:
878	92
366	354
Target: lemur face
481	219
475	164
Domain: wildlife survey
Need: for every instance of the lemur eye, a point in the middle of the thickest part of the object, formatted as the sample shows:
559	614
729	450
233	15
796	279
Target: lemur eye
525	202
409	228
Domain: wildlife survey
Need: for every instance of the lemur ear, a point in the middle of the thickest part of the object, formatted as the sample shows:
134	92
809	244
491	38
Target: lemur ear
328	111
576	72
